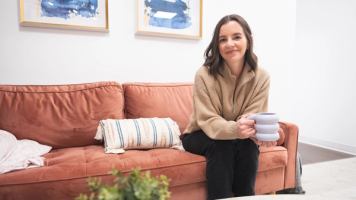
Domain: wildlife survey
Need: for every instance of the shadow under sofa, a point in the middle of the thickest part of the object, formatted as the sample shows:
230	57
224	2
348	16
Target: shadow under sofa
66	117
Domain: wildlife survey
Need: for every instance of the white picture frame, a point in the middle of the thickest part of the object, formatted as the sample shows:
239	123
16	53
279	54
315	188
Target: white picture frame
170	18
91	15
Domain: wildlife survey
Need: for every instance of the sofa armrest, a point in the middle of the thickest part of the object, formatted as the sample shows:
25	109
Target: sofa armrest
291	144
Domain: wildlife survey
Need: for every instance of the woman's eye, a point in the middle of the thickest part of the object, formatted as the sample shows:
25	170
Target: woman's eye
222	40
237	38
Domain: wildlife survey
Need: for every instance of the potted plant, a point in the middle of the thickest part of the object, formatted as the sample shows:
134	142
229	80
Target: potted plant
136	186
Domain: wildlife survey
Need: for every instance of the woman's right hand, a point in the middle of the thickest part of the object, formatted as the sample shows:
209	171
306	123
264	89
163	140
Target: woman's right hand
245	128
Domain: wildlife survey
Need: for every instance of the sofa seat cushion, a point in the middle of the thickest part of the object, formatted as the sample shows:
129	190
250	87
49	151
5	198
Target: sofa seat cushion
59	115
81	162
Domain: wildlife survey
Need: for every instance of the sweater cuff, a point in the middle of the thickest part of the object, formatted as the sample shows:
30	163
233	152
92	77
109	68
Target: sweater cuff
231	129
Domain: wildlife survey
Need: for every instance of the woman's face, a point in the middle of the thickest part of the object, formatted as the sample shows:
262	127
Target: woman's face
232	42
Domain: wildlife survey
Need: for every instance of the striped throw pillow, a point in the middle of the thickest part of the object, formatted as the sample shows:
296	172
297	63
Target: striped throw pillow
142	133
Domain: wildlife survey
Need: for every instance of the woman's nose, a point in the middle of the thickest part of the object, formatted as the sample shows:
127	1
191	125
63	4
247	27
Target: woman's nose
230	42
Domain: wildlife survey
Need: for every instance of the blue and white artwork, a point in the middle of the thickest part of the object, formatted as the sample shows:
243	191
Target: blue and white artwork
172	14
68	8
170	18
67	14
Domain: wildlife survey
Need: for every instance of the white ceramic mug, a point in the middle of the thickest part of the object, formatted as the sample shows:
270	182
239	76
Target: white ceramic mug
266	125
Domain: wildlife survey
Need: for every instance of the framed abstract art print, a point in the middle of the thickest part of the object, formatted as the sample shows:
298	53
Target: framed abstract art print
71	14
170	18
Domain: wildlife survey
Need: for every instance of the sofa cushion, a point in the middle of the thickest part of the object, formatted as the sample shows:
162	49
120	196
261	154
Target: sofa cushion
81	162
59	115
147	100
141	133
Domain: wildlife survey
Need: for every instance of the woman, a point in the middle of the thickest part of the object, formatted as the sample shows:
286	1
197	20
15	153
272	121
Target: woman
227	88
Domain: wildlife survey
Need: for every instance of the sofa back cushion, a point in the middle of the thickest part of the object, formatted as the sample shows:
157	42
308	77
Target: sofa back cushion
147	100
59	115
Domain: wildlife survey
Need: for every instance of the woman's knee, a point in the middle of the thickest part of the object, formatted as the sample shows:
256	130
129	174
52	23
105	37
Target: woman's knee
250	145
248	150
220	148
196	142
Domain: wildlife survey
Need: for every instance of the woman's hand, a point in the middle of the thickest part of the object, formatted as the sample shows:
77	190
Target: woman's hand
265	143
245	128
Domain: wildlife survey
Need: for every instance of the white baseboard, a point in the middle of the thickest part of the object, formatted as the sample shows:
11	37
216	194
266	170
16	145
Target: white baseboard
328	144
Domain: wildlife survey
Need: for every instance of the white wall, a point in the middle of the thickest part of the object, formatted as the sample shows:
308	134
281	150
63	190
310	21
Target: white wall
306	45
53	56
323	77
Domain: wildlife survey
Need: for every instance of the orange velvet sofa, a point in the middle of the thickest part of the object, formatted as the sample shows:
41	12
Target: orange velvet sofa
66	117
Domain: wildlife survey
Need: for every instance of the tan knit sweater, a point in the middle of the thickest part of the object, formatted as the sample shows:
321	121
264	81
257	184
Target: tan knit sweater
218	103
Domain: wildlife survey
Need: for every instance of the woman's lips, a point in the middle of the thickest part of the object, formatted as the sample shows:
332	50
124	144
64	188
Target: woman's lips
231	51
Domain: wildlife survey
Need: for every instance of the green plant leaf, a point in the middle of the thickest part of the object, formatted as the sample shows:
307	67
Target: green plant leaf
135	186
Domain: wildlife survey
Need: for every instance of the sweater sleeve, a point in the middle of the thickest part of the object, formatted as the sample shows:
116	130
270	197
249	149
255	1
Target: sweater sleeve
207	109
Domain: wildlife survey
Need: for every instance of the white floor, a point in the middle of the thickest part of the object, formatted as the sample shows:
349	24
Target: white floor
332	180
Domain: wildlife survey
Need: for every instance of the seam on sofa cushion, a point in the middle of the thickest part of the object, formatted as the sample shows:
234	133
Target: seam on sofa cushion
165	85
90	87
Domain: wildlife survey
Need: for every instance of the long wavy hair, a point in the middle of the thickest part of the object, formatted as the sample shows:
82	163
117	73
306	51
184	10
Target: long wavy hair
213	59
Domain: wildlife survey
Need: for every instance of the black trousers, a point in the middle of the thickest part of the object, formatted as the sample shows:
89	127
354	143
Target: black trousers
231	164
